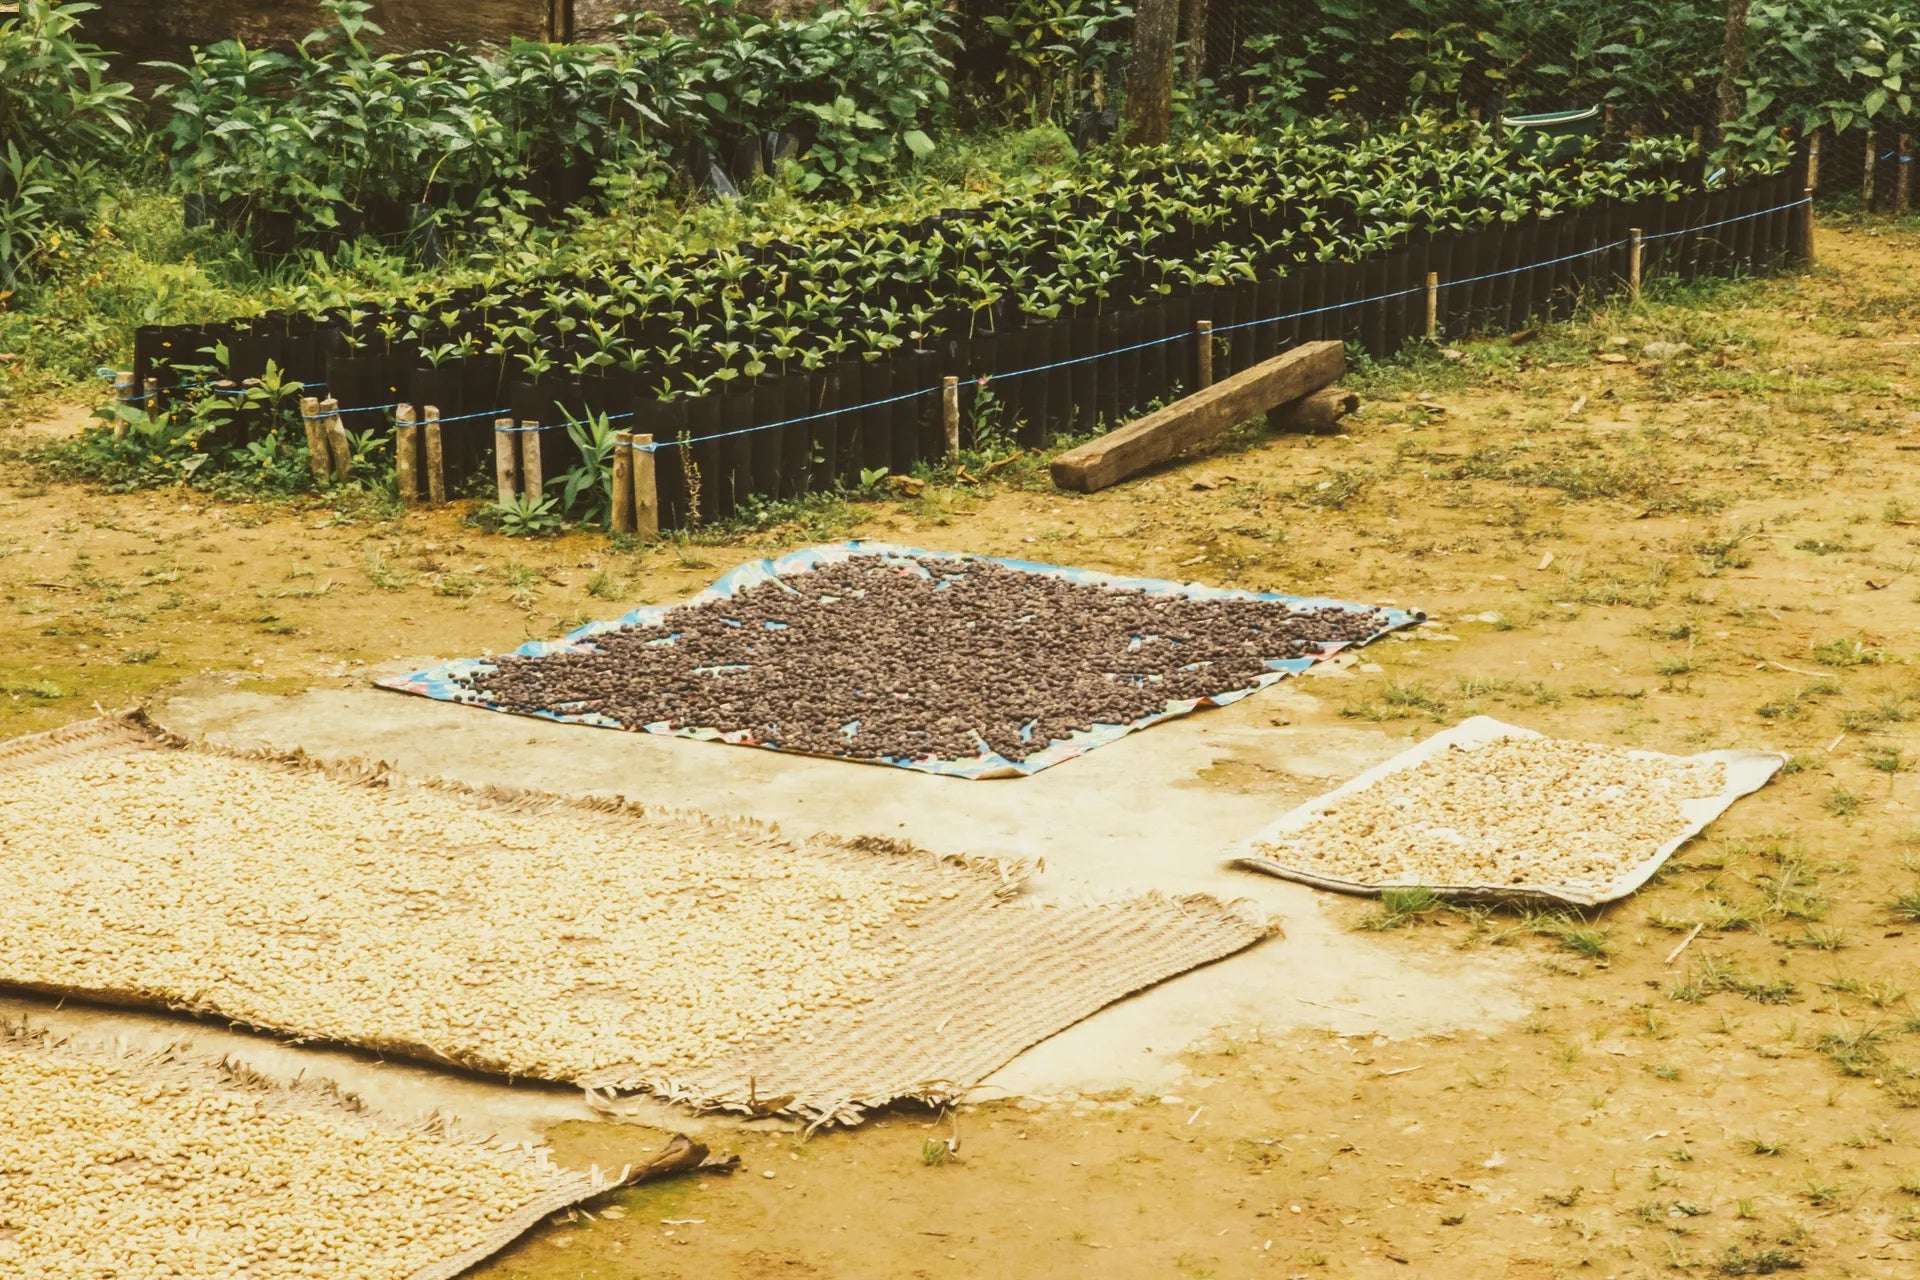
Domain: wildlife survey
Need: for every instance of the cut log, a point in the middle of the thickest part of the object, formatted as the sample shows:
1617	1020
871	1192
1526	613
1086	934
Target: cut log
1199	417
1316	413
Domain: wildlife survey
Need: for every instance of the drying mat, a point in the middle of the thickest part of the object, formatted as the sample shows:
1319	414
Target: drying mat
111	1159
589	941
1745	772
451	682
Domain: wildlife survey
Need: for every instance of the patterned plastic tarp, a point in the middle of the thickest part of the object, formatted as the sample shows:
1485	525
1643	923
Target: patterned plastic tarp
447	683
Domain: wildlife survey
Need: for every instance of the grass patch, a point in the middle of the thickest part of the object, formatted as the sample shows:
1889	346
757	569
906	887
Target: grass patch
1844	653
1399	701
1400	906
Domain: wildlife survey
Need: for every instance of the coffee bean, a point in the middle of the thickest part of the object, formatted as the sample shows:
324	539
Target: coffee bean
1017	660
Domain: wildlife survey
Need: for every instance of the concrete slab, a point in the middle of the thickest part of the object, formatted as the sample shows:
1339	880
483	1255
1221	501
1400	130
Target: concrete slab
1159	810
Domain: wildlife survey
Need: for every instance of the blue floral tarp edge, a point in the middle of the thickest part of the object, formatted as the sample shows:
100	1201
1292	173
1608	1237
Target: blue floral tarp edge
445	683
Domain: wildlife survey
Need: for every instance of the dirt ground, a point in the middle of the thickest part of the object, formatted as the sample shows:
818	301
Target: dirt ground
1708	544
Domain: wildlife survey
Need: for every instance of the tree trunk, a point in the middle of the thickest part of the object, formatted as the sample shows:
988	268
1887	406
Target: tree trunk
1733	64
1194	19
1156	25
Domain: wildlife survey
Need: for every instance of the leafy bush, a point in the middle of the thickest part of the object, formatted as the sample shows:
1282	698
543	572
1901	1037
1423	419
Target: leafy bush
1055	58
210	434
1656	61
60	118
1830	64
1833	64
335	138
865	83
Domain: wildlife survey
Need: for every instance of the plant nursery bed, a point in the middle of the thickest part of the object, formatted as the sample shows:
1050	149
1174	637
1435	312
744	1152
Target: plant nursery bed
940	662
583	941
1493	812
150	1165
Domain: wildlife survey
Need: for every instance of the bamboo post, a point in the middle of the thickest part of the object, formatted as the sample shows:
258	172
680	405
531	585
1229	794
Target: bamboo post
1813	160
1433	305
1635	247
646	488
623	482
950	413
533	482
1903	175
338	444
315	422
436	459
1202	354
506	460
1806	231
1867	167
406	454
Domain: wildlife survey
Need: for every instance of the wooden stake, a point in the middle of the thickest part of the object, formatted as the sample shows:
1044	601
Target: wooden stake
1813	160
1806	231
623	482
950	411
1433	305
338	442
406	454
1202	354
506	460
533	482
316	425
1867	175
646	489
123	394
1635	247
436	459
1903	175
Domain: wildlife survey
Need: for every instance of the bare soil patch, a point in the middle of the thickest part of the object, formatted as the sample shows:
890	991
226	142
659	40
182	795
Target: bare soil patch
1711	549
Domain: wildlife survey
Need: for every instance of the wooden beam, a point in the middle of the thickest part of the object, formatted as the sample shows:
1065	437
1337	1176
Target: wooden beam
1316	413
1199	417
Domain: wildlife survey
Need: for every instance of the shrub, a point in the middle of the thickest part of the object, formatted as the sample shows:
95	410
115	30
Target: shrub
60	117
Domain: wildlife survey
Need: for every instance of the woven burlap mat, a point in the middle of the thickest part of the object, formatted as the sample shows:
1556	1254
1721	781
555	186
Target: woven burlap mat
990	975
226	1079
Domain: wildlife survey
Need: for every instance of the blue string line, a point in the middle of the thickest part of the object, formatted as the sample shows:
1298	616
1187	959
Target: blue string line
1062	364
1739	217
106	374
341	413
658	445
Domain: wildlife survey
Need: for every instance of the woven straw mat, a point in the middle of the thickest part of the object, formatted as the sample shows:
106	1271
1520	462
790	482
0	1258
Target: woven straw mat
988	974
456	1235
